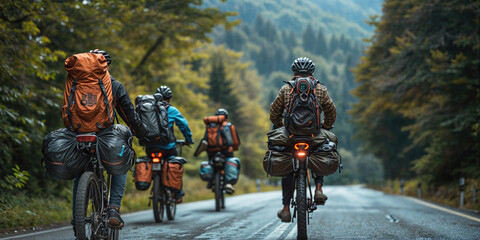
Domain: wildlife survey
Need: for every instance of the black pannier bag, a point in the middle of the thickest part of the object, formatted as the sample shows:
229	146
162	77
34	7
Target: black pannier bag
62	159
115	149
278	159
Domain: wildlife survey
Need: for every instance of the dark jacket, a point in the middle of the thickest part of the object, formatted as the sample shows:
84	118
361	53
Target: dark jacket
126	110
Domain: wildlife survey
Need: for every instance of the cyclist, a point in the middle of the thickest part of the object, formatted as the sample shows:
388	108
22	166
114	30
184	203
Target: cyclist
126	110
228	153
174	116
301	67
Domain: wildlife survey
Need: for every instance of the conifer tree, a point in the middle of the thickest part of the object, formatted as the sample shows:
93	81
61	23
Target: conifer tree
308	38
320	46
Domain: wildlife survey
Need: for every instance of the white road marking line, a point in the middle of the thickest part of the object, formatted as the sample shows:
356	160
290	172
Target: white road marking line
261	229
444	209
293	233
37	233
217	224
277	232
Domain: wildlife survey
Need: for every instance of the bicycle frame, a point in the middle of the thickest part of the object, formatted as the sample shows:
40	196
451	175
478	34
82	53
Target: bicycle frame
88	144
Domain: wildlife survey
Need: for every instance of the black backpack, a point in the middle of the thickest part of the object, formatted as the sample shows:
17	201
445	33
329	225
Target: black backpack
302	115
153	113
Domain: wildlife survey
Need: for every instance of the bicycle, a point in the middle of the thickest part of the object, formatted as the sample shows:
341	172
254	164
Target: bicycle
162	197
302	205
218	163
92	201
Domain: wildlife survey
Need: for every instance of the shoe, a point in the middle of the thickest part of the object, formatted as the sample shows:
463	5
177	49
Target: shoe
229	188
284	216
210	185
114	218
178	200
320	198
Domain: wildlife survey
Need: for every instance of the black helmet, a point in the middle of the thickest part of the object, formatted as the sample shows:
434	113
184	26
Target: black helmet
222	111
303	65
104	53
165	91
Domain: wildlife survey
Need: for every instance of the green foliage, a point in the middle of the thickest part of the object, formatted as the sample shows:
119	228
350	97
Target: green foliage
141	36
17	180
419	93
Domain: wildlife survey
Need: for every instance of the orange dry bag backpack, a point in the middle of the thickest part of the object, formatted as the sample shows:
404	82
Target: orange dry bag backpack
88	98
220	134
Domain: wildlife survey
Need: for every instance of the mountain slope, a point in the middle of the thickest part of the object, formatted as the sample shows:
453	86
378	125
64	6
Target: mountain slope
332	16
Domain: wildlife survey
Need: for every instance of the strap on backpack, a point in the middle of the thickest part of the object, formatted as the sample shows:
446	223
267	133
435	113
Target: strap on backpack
157	110
105	100
219	133
69	113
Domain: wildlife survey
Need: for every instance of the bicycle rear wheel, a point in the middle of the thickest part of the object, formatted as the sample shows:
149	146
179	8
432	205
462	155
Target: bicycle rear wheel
171	206
302	205
218	194
88	206
222	201
158	199
113	234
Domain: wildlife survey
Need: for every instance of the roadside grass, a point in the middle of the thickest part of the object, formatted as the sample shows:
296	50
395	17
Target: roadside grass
446	194
21	211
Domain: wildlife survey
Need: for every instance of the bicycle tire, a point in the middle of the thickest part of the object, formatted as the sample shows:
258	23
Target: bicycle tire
158	194
222	202
217	192
113	234
88	206
171	206
302	205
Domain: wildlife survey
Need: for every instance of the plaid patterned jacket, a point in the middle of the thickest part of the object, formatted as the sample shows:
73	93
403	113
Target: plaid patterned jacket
281	101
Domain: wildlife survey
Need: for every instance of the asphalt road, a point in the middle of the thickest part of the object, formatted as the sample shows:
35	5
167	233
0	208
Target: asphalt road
352	212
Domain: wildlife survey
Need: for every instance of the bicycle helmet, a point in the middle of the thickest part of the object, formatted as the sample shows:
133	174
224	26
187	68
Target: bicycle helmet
165	91
104	53
222	111
303	65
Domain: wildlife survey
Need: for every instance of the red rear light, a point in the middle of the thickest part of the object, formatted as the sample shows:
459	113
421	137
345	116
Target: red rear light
158	155
156	160
301	154
86	138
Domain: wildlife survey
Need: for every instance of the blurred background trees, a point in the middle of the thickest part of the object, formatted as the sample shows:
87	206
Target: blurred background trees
414	110
419	93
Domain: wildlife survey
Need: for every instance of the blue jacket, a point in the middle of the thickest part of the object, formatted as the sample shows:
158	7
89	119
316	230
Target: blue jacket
174	116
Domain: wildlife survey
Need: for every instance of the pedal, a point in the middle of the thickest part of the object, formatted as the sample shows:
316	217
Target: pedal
312	208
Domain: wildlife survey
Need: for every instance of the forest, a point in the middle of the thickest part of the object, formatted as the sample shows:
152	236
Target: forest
210	59
419	91
406	88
